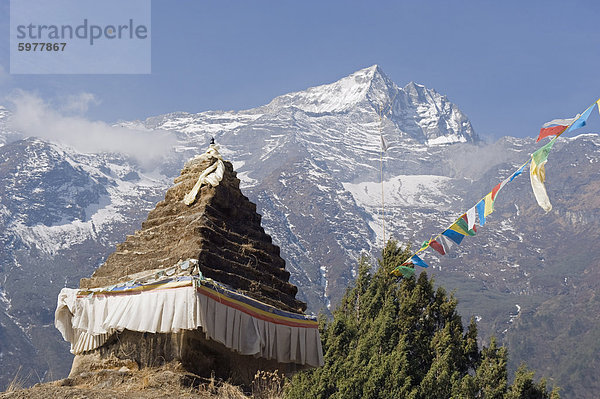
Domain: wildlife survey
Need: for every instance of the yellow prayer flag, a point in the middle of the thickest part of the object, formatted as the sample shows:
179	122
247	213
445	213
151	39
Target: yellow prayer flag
537	175
458	229
489	204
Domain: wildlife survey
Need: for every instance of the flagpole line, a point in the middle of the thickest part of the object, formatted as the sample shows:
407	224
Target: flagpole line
482	198
457	219
522	166
381	113
382	184
382	193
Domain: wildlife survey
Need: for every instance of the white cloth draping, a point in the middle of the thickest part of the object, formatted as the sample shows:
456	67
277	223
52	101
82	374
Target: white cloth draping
211	175
87	322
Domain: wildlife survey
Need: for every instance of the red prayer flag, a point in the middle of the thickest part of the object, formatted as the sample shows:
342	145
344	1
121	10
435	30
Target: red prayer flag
550	131
495	190
437	246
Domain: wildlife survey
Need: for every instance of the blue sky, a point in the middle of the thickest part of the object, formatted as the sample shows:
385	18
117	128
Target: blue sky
510	66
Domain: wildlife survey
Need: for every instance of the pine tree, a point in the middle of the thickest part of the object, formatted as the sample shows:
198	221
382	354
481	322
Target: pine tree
491	375
524	387
402	338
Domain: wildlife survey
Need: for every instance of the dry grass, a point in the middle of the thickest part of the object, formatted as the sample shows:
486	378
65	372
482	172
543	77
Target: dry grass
17	383
167	381
267	385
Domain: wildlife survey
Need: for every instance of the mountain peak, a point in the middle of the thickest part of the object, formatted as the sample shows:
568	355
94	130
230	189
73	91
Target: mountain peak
435	119
420	92
413	86
357	101
338	96
373	72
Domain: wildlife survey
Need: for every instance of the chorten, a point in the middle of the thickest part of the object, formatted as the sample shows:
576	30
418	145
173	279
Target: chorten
200	283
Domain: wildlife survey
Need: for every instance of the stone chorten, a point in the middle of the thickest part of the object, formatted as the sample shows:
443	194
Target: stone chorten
206	220
221	229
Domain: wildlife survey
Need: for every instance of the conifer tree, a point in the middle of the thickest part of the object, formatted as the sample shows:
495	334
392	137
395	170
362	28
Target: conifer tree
524	387
402	338
491	375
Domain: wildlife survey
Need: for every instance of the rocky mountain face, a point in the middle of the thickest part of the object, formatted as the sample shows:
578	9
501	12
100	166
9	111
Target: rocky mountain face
311	161
61	213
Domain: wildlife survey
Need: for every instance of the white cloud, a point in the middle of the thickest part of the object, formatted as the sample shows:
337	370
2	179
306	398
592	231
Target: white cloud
32	116
473	161
79	103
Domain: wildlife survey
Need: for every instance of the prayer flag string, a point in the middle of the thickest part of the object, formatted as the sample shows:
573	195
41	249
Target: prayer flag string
465	224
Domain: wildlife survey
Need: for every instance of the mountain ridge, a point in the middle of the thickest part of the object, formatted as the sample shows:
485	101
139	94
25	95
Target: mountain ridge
315	178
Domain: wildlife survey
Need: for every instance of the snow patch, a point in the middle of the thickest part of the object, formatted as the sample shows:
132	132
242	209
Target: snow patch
416	191
52	239
246	180
448	139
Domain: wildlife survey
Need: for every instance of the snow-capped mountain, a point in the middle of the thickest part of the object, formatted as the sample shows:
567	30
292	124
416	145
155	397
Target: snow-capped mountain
338	123
311	160
61	213
417	112
332	133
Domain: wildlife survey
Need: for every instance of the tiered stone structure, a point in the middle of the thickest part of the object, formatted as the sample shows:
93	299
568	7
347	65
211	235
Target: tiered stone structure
221	229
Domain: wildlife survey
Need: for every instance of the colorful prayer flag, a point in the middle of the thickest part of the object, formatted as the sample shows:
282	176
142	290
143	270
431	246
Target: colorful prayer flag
489	204
551	131
495	190
405	271
555	127
454	236
460	226
415	260
471	218
446	242
581	121
537	174
438	247
481	212
518	172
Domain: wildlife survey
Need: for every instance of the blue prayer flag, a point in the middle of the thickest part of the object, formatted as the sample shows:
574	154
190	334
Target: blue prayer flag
418	261
454	236
481	211
518	172
580	122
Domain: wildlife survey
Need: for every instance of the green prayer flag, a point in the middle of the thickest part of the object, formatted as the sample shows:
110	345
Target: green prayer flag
406	271
465	227
541	154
